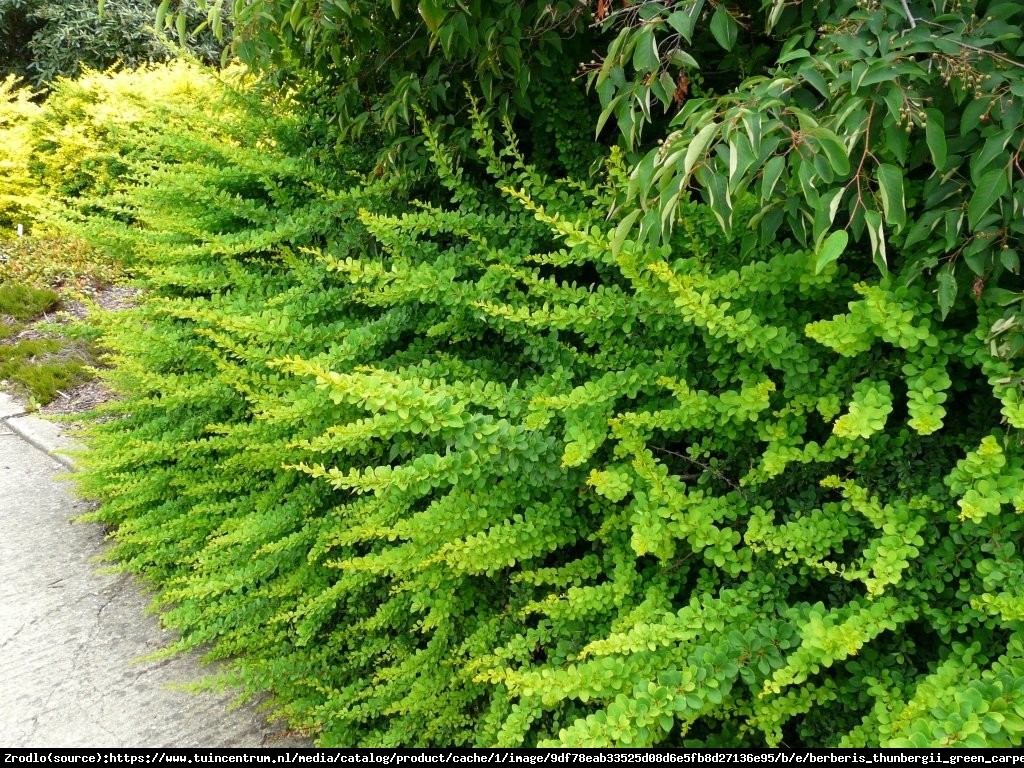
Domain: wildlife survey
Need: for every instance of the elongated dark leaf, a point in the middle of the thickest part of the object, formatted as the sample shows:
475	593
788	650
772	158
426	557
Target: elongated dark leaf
724	28
432	13
682	23
946	292
834	150
876	233
991	187
645	55
831	249
935	136
770	177
890	184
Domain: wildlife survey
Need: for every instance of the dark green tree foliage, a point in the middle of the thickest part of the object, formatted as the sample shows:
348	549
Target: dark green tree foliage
41	40
484	470
369	66
885	129
891	127
17	27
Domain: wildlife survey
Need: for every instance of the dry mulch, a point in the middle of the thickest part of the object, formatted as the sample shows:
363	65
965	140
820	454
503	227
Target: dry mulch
82	398
112	298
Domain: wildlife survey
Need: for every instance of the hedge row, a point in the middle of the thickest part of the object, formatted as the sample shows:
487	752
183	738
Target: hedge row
452	460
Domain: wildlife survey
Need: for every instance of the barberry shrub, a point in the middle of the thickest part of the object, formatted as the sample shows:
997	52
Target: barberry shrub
18	192
480	469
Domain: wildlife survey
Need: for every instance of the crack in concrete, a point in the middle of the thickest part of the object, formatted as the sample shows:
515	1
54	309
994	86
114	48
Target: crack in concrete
36	442
75	633
21	629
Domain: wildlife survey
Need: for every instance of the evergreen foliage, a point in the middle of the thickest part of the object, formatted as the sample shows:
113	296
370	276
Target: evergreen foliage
890	127
879	130
484	469
369	68
41	40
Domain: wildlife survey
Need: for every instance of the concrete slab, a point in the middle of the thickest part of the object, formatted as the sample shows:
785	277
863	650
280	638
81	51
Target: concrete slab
70	635
9	406
44	435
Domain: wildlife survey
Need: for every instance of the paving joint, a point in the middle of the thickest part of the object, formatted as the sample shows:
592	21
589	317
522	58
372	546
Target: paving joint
41	434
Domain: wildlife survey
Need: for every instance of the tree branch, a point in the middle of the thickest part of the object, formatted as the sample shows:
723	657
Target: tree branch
910	16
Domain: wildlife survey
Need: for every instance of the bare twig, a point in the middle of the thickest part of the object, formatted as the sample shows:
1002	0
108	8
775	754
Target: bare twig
702	465
975	48
910	16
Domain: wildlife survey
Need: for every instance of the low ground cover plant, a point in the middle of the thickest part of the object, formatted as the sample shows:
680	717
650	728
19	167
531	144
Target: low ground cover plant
34	365
53	261
23	302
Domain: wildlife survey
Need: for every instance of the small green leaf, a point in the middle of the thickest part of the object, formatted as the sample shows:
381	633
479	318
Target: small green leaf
935	136
682	23
681	58
609	110
834	150
622	231
873	219
217	22
798	53
741	157
814	78
860	69
890	183
1010	260
992	155
879	71
991	187
897	140
432	13
161	14
645	55
698	145
831	249
720	201
770	176
971	118
724	28
946	291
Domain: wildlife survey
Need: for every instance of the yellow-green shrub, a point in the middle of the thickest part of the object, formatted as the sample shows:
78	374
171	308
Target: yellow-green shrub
18	190
105	131
482	470
91	129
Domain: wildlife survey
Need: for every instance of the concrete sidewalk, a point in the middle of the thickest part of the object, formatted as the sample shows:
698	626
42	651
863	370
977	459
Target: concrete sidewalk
70	636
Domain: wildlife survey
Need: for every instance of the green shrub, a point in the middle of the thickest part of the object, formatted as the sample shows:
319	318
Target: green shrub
104	132
485	471
91	130
8	328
